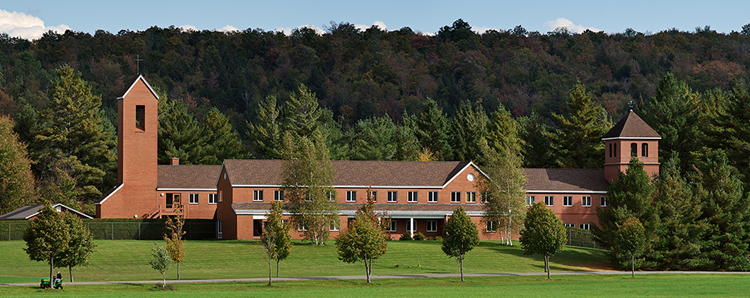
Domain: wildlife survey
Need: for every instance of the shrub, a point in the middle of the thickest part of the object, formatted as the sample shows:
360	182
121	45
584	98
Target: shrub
406	236
419	236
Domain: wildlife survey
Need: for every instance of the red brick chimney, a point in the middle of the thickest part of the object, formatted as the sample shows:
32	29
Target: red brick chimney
175	161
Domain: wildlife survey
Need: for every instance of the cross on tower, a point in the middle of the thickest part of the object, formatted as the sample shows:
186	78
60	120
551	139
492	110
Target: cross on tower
138	64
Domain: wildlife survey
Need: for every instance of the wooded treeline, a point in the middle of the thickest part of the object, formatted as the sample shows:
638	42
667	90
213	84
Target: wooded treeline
372	94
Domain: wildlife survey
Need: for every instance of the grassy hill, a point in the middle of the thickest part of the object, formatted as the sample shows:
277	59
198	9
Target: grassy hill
128	260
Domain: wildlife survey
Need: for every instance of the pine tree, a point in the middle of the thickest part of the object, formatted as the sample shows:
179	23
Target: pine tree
631	194
375	139
220	140
17	187
301	113
536	146
433	130
543	233
307	181
468	126
73	138
266	134
577	144
460	236
503	133
407	141
731	131
179	135
726	208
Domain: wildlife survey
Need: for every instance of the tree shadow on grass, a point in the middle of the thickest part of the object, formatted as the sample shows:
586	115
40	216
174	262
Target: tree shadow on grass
575	258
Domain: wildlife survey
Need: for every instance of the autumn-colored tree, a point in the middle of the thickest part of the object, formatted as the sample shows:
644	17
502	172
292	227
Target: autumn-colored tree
173	238
17	187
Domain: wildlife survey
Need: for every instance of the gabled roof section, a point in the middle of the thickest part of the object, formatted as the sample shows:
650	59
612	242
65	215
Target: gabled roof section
140	77
566	180
30	211
630	127
356	173
187	176
110	192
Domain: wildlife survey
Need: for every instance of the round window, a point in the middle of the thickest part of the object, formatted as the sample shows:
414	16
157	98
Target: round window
470	177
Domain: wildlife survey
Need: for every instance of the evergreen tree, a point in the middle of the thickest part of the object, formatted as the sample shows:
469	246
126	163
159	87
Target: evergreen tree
266	134
460	236
375	139
365	238
577	144
307	181
543	233
536	146
179	135
731	131
433	130
631	194
301	113
221	141
73	138
726	208
679	231
337	140
407	141
17	187
80	247
46	237
468	126
503	133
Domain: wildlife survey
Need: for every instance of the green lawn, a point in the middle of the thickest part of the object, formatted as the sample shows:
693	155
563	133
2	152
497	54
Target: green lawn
128	260
657	285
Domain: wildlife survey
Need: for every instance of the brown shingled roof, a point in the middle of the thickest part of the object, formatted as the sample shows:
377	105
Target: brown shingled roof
566	180
631	126
350	172
188	176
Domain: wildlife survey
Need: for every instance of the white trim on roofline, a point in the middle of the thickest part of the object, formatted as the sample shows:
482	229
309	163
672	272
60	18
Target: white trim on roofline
393	214
186	189
347	186
110	195
631	138
568	191
140	77
66	207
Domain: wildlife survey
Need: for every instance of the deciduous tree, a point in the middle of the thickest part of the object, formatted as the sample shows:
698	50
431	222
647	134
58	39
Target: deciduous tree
160	262
630	239
17	187
543	233
81	245
460	235
173	238
365	238
46	237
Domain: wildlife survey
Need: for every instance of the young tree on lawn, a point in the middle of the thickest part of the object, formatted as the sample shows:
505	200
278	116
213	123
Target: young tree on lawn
276	240
630	239
160	262
460	235
80	247
365	238
46	237
173	237
543	233
307	179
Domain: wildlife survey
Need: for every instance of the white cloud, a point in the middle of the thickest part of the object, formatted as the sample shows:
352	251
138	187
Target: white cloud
563	22
482	30
188	28
288	30
19	24
228	28
378	24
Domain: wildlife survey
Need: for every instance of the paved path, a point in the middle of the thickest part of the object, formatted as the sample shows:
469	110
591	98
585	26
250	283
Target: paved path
346	277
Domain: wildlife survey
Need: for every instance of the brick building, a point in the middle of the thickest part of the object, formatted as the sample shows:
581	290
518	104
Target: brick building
420	196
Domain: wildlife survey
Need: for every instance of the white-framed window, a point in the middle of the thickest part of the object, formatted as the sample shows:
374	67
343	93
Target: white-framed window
412	196
455	197
491	226
278	195
333	225
569	225
330	195
530	200
585	226
431	226
392	227
549	200
193	198
351	195
586	201
485	198
409	227
432	197
212	198
301	228
374	195
392	196
567	200
471	197
257	195
603	201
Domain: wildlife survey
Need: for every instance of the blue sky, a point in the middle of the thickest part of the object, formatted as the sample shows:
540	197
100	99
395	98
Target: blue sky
30	18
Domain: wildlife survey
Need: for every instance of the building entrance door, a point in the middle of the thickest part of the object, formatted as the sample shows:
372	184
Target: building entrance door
257	227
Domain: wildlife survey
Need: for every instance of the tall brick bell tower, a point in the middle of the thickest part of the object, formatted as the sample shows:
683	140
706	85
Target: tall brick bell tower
135	193
631	137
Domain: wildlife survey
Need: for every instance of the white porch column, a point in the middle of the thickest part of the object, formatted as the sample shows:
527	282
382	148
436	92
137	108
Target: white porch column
411	225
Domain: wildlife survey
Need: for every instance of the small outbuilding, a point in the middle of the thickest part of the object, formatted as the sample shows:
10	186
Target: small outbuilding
31	211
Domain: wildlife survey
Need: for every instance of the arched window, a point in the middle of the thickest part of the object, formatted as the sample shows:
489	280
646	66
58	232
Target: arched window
633	150
644	149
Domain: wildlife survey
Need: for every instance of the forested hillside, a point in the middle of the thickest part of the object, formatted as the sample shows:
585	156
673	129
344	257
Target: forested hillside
373	94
